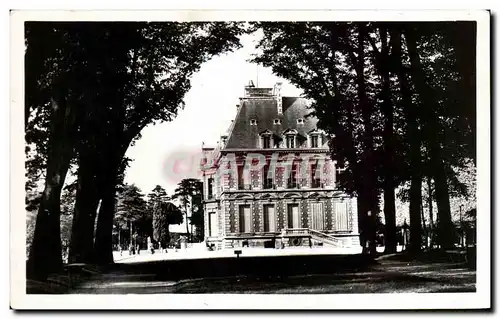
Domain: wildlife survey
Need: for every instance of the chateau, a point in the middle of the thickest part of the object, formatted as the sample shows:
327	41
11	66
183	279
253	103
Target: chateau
270	180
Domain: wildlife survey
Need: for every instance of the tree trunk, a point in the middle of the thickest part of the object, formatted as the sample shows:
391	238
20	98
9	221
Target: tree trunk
388	137
367	156
87	199
424	228
414	140
431	214
103	245
187	225
45	253
446	230
432	127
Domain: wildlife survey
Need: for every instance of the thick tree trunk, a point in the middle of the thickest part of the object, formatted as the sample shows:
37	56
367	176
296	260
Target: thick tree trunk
413	138
45	253
390	220
103	244
388	137
87	199
446	230
368	164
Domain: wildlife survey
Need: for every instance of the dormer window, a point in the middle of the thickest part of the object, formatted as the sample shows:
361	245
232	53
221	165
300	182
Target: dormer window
315	138
265	139
314	141
290	138
253	122
277	122
300	121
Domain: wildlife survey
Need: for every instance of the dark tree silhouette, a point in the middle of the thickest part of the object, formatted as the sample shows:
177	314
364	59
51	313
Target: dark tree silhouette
94	87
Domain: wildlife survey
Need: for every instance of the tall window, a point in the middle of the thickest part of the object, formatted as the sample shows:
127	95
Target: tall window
210	186
293	216
245	219
315	176
314	141
269	218
341	216
212	224
317	216
241	181
292	179
266	141
290	141
268	180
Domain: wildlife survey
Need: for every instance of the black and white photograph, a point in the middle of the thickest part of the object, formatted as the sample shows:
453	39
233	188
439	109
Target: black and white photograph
250	160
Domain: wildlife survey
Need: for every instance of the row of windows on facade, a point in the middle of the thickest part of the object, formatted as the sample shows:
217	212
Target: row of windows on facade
293	220
290	141
268	181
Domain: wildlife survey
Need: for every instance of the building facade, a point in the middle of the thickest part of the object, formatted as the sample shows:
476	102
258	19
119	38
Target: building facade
271	182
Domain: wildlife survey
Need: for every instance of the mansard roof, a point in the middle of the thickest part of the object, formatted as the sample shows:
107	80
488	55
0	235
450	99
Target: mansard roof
265	111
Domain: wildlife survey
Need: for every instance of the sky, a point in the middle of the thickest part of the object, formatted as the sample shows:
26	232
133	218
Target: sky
210	106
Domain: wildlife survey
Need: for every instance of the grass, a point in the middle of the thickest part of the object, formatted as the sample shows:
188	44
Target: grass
273	275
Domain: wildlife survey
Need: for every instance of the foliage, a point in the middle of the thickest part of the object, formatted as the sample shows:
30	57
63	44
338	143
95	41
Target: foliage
131	207
198	218
358	76
189	192
165	214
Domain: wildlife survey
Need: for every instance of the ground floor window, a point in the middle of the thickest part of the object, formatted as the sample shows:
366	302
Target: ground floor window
212	224
317	216
341	218
293	216
245	219
269	218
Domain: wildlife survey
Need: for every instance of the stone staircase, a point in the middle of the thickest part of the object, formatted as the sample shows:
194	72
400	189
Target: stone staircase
314	235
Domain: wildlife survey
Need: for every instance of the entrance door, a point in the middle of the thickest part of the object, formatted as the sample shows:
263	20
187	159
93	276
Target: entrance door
245	219
293	216
318	217
269	218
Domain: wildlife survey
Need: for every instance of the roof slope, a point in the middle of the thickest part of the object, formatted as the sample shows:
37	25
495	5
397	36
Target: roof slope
265	111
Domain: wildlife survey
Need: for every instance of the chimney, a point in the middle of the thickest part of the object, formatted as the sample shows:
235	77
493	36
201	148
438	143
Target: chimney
279	99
